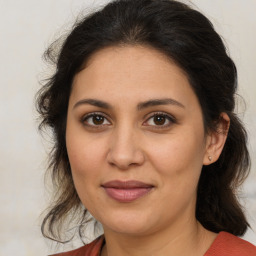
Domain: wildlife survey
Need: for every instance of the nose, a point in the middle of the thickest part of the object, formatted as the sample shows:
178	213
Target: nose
124	149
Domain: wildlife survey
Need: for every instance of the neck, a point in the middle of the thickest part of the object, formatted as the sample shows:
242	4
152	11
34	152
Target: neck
190	239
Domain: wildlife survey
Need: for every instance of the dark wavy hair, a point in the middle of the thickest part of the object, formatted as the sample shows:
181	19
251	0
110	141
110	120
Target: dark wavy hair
185	36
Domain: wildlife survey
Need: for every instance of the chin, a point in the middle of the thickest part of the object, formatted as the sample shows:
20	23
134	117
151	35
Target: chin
128	224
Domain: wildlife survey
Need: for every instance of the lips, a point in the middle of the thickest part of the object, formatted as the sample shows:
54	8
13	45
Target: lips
126	191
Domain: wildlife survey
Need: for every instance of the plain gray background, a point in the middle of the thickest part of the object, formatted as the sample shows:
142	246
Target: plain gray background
26	29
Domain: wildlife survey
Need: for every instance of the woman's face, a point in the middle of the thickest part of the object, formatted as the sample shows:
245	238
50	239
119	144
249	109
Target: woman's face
135	140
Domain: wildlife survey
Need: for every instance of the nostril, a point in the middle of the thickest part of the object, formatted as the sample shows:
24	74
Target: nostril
124	150
125	160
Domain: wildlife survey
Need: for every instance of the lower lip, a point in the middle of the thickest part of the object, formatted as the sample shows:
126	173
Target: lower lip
127	195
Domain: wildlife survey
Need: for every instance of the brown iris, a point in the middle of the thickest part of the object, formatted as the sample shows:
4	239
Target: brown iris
98	120
159	120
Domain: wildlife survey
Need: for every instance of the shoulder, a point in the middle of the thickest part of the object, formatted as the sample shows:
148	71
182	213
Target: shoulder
91	249
227	244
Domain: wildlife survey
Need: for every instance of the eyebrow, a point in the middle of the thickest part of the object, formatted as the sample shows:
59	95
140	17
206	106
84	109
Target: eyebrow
156	102
94	102
140	106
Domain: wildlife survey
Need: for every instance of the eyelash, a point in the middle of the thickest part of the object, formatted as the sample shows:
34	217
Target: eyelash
90	115
171	120
167	117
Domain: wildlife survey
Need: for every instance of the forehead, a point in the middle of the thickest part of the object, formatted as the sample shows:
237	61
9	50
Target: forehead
131	52
131	73
127	56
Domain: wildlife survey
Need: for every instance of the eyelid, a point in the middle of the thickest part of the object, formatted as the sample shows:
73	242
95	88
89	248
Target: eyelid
91	114
170	117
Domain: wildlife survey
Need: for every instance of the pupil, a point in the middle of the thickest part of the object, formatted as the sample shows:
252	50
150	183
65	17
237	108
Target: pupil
159	120
98	119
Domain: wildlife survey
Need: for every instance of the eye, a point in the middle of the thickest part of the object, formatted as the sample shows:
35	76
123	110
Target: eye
95	119
162	120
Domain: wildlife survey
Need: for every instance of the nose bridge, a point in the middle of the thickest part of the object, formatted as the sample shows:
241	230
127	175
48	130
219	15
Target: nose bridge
124	147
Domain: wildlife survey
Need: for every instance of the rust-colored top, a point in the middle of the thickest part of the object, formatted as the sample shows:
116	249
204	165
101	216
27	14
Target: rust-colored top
225	244
91	249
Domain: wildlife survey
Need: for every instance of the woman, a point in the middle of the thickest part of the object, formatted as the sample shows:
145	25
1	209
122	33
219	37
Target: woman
146	139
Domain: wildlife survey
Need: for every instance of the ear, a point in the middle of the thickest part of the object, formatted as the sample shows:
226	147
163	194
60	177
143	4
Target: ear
216	139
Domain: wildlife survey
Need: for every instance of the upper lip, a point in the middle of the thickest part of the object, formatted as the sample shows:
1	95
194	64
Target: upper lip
129	184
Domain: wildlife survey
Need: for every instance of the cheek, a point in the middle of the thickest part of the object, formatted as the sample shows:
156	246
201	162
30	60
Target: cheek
179	164
85	152
180	155
86	166
84	158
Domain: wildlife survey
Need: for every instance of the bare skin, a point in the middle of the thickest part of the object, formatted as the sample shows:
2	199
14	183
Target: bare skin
196	244
133	115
